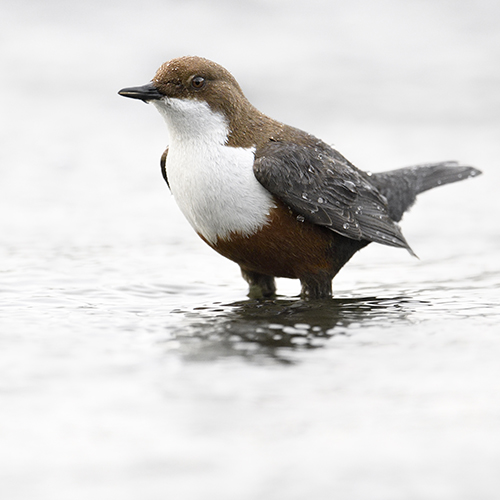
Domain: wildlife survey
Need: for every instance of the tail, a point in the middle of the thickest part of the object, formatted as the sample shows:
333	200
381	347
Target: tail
402	186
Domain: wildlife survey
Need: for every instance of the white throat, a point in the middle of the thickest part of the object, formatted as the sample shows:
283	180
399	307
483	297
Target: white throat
213	184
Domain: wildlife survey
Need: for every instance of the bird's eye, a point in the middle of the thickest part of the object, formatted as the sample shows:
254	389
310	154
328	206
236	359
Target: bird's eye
198	82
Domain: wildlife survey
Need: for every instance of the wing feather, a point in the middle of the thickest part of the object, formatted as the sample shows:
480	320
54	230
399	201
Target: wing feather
326	189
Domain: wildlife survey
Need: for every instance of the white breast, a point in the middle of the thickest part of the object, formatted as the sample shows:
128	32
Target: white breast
213	184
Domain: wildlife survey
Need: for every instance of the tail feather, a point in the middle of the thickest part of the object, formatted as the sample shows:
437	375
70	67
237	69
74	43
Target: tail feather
402	186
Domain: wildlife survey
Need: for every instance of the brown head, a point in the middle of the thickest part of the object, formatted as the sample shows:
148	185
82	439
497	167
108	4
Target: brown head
192	77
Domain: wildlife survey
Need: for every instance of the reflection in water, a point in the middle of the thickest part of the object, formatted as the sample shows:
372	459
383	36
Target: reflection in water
271	329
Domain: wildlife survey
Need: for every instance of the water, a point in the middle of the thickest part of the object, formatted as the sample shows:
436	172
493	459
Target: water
133	365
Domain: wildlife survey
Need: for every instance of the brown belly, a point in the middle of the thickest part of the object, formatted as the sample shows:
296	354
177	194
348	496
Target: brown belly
289	248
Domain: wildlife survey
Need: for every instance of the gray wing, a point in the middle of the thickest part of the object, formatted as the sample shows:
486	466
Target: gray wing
320	185
163	166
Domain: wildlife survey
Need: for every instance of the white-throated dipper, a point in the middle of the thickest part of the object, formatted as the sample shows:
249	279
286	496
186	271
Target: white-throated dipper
274	199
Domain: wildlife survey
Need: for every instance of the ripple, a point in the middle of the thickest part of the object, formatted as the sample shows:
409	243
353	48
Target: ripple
272	328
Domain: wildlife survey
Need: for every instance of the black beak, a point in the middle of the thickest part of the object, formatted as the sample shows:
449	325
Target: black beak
145	93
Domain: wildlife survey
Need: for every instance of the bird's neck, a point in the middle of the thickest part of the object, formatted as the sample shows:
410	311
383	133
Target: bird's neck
239	125
191	121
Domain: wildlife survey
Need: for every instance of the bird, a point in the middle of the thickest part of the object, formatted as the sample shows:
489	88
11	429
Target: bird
274	199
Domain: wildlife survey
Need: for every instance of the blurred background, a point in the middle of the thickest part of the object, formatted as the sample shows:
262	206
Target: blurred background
126	372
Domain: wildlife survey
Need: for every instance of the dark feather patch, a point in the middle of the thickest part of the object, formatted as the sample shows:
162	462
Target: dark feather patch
324	188
163	166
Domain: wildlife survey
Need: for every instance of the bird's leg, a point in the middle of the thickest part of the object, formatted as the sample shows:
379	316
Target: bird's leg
261	285
316	286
